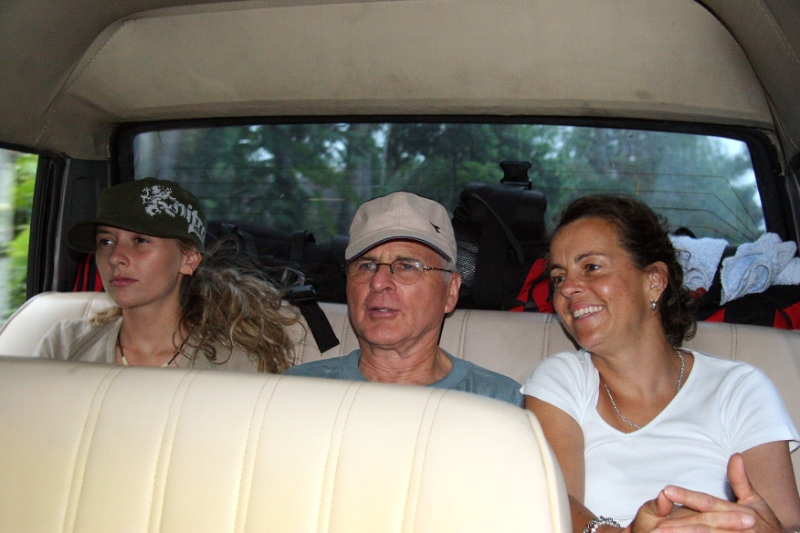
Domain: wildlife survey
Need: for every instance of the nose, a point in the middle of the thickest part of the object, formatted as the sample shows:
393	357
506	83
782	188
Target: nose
570	286
117	255
382	278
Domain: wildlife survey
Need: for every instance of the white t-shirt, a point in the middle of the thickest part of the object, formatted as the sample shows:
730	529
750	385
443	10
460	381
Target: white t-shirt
724	407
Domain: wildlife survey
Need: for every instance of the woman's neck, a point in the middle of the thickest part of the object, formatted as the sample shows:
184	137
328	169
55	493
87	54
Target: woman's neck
633	389
644	366
150	338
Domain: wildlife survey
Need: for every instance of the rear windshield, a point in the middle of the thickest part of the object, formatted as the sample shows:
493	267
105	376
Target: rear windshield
312	177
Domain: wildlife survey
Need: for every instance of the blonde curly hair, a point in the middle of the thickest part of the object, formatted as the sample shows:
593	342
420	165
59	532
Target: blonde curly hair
232	303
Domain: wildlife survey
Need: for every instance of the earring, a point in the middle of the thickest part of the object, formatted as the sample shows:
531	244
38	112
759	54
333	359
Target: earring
653	304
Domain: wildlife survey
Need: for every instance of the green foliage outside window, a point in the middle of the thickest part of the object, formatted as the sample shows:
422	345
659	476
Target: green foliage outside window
314	176
17	178
24	180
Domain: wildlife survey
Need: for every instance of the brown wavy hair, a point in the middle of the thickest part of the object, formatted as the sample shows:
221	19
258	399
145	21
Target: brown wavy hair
643	235
231	303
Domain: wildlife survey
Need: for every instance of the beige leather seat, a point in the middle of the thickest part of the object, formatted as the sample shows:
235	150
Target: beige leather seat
509	343
23	330
97	448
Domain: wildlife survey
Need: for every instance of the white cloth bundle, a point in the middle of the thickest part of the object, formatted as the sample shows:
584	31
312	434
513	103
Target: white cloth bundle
758	265
699	259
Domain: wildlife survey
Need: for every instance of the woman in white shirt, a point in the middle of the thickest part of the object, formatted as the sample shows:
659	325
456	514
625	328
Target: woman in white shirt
632	411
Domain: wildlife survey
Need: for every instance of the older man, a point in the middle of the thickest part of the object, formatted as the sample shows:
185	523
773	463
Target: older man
400	284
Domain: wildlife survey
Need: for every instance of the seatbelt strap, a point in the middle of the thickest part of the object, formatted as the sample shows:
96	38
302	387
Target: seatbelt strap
305	299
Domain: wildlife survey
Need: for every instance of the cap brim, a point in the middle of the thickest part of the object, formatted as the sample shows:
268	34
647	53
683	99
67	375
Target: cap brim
81	236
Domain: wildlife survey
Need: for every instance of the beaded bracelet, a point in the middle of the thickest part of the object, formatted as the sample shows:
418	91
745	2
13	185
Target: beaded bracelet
595	523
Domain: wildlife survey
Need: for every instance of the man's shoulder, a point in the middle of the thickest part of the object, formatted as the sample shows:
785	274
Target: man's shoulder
333	367
484	373
480	380
316	368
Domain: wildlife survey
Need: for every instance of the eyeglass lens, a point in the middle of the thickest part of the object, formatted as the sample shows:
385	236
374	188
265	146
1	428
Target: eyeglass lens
402	270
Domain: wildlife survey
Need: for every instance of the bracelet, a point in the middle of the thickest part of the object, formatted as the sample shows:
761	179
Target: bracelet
595	523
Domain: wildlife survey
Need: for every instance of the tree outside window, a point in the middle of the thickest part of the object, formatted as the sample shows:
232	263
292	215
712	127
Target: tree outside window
17	177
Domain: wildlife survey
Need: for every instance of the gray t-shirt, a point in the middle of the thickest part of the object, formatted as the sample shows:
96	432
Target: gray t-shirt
464	376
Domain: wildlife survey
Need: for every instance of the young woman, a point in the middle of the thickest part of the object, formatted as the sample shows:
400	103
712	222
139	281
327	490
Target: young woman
173	306
632	411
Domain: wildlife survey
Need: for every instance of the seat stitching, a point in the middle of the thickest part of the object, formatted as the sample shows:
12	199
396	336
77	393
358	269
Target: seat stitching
549	465
462	337
351	392
343	331
184	385
409	517
92	414
777	31
244	494
548	322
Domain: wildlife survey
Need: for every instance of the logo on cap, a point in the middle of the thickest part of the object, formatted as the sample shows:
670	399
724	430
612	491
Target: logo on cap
158	199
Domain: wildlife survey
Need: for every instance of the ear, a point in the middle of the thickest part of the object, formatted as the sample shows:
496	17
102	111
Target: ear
191	260
656	280
453	287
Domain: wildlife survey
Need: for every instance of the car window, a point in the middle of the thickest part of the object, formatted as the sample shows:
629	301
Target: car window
314	176
17	177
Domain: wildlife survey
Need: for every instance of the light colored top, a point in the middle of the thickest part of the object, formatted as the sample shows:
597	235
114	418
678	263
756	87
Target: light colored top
80	340
723	408
464	376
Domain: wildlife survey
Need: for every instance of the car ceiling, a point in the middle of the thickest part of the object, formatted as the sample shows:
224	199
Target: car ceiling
71	71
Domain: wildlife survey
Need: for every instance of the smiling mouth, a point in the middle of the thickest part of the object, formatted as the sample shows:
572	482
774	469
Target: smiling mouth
587	311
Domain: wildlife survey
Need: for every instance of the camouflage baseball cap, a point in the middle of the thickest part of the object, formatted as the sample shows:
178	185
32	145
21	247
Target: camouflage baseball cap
149	206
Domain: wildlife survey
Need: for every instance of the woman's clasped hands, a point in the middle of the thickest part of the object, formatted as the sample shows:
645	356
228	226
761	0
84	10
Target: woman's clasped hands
679	510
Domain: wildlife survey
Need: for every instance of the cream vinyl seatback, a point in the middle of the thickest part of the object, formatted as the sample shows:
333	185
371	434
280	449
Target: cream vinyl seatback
509	343
89	448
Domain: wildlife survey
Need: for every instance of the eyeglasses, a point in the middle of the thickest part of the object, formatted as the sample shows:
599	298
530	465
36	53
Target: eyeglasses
405	271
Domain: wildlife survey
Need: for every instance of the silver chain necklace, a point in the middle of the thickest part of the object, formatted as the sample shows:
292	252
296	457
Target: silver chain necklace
614	404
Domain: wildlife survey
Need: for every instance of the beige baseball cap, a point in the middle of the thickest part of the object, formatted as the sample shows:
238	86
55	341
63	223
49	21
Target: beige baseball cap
401	215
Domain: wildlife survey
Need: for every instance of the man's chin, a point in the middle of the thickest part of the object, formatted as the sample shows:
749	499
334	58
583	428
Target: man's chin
375	339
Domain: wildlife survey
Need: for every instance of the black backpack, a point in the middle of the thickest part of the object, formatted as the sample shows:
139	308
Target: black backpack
500	232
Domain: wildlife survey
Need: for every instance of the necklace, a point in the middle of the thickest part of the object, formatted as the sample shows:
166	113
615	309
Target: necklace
126	363
614	404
